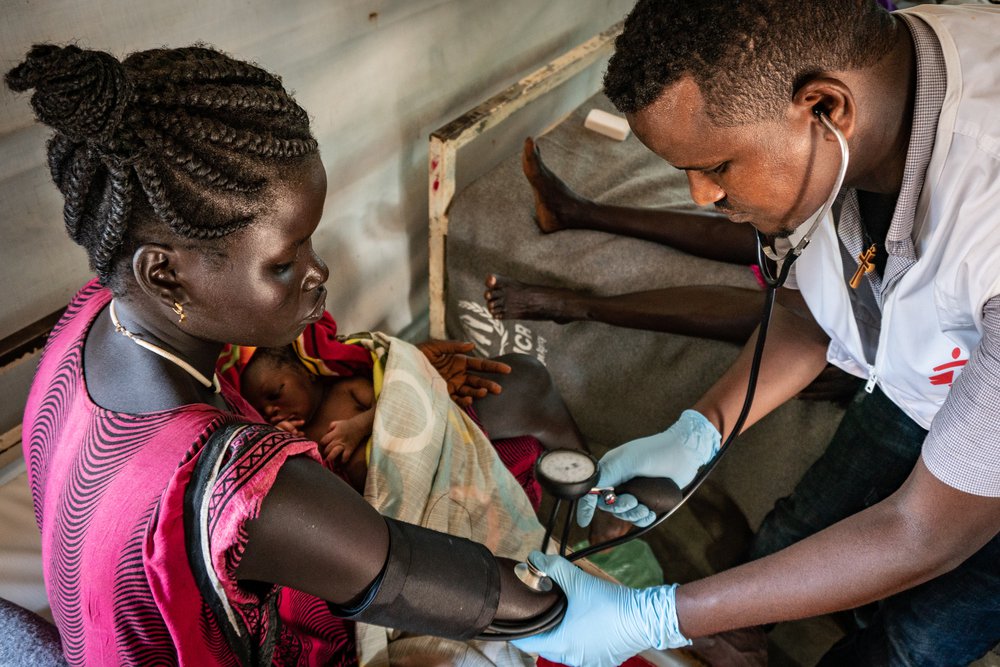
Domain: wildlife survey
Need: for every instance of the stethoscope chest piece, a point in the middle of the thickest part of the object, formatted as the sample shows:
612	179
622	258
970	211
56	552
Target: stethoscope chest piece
532	577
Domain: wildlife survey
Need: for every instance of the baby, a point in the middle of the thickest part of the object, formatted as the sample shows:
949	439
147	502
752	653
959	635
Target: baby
337	413
334	406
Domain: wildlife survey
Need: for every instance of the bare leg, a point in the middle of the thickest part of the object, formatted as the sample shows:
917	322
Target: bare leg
721	313
530	404
716	312
699	233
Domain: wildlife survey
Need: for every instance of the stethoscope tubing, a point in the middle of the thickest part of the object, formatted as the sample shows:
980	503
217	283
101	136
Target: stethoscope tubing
705	470
773	280
503	631
784	262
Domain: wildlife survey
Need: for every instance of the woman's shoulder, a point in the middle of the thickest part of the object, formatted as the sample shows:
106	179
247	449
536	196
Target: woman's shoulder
80	312
56	377
217	491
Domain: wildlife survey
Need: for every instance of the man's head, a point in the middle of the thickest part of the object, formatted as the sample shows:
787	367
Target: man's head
747	57
727	90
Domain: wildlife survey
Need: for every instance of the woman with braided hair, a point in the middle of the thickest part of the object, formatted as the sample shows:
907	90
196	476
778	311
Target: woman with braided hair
174	528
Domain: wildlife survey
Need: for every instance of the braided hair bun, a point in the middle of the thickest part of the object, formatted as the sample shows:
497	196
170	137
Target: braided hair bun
185	138
82	94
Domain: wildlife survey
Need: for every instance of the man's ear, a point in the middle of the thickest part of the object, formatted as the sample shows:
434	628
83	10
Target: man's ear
832	97
156	269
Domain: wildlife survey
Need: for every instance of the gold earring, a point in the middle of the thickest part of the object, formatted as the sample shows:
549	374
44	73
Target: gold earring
181	315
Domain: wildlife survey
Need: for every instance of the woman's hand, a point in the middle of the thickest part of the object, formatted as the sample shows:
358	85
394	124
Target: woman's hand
458	369
605	527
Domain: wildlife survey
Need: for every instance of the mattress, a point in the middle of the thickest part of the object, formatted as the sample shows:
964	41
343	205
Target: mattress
619	383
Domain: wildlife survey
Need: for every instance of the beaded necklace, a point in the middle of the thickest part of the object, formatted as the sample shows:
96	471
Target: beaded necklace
166	354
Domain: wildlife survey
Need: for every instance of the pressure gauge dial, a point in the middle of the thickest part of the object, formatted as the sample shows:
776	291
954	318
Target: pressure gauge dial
567	473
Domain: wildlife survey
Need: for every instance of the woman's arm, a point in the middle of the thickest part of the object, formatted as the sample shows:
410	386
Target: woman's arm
315	534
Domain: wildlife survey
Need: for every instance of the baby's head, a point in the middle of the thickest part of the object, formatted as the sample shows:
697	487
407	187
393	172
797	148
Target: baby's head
279	387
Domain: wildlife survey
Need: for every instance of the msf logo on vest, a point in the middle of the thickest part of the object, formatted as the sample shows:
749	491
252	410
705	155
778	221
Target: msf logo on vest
945	373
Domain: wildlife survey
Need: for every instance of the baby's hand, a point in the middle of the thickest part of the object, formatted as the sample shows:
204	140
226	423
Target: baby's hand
342	438
292	426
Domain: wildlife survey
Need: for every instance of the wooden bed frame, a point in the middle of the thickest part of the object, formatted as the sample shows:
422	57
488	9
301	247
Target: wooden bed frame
442	158
447	139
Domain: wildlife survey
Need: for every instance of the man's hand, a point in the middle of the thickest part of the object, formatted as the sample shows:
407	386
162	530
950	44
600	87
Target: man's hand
449	358
677	453
605	623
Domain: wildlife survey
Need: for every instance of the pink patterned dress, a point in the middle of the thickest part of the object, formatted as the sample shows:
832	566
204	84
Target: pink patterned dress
143	522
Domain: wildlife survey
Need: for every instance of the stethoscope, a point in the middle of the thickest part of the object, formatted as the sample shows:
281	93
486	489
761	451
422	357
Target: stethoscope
783	263
569	475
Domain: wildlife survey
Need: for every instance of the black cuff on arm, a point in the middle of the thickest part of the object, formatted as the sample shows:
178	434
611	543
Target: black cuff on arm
432	583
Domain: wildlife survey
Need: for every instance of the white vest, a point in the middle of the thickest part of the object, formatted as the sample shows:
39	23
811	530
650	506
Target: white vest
932	315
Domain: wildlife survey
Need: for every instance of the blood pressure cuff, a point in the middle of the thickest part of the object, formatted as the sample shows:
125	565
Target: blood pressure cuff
432	583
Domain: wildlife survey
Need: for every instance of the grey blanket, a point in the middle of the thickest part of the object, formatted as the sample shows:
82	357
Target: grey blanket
619	383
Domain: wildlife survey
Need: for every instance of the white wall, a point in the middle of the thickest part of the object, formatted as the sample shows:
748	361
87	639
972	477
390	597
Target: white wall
377	77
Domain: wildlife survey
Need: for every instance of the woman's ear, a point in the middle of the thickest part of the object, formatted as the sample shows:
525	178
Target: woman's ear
831	97
155	267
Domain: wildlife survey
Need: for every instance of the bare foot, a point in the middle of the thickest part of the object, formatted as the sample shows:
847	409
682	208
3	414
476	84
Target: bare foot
556	206
508	299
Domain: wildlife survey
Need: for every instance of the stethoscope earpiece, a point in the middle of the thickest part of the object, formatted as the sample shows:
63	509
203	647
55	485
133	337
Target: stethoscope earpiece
784	262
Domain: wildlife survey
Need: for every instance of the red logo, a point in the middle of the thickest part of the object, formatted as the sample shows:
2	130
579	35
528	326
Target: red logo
946	372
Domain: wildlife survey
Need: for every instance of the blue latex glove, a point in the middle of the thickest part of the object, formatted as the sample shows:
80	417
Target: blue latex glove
676	453
605	623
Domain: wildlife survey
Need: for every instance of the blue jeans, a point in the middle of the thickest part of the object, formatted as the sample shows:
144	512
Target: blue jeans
951	620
